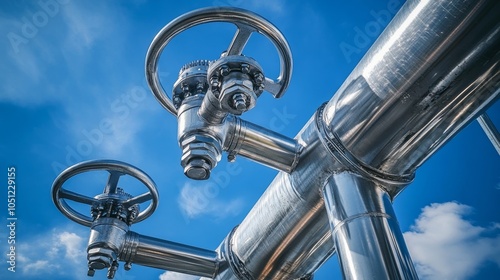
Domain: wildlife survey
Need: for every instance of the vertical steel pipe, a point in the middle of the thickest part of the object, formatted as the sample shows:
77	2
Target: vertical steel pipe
365	230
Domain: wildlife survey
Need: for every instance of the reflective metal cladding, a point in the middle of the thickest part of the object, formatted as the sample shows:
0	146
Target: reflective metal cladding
433	70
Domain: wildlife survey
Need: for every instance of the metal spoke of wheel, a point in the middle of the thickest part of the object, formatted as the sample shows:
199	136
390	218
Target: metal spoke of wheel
240	39
112	183
138	199
63	193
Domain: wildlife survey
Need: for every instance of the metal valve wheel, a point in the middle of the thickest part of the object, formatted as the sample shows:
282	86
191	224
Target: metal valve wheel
116	169
246	22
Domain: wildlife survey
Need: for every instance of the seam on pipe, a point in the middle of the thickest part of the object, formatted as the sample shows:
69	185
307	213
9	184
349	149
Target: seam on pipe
334	146
236	265
359	216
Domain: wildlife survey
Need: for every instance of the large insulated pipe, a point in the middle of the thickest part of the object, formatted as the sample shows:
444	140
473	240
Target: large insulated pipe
432	71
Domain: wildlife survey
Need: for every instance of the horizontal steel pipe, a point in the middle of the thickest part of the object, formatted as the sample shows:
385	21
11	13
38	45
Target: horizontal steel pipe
261	145
162	254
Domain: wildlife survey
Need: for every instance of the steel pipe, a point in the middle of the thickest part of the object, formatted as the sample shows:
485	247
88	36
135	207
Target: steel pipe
261	145
490	130
286	234
237	137
432	71
366	233
162	254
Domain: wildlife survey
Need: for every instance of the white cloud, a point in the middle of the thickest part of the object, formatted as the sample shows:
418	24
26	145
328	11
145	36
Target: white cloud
170	275
40	267
202	199
444	245
57	252
73	245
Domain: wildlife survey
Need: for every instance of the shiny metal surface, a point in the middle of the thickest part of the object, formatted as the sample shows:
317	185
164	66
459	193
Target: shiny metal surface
201	140
236	81
434	69
246	23
107	237
490	130
116	169
286	234
162	254
369	242
261	145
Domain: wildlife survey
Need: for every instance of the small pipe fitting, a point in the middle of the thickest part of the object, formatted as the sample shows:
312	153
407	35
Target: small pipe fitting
200	154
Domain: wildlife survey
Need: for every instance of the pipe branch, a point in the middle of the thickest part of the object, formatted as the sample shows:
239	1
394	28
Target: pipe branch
202	141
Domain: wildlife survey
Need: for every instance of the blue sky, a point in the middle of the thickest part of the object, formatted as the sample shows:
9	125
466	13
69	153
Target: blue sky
71	68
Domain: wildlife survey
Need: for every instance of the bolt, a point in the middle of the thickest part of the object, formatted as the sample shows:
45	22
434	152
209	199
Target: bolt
240	101
185	87
98	264
231	158
214	82
112	270
199	87
91	272
245	68
198	169
259	78
224	70
128	266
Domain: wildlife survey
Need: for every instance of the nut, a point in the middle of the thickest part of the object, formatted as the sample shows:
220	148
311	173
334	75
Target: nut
99	262
259	78
100	258
198	169
237	87
245	68
200	153
224	70
201	150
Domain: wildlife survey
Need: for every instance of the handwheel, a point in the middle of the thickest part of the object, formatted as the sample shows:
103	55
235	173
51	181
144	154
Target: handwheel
246	22
116	169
